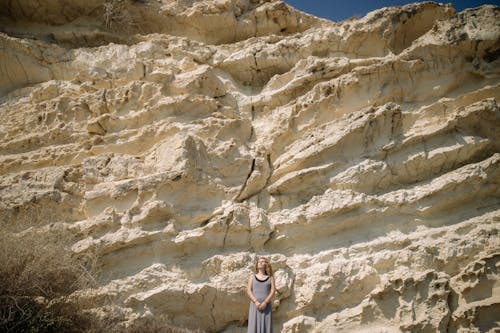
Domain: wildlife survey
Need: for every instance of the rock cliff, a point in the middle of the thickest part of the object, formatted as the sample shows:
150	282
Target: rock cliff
181	139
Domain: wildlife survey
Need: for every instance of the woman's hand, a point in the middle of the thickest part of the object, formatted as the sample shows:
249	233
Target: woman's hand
261	306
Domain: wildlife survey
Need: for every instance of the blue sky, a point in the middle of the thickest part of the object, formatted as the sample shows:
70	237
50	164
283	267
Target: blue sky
338	10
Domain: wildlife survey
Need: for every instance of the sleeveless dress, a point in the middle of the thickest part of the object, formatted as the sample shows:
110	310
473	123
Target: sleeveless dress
260	322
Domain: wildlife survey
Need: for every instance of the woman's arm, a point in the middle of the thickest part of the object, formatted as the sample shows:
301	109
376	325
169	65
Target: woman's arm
249	291
271	294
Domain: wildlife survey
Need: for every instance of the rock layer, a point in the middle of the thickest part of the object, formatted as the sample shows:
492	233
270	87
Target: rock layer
181	139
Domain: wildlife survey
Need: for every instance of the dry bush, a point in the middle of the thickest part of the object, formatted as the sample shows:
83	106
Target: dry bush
38	272
117	16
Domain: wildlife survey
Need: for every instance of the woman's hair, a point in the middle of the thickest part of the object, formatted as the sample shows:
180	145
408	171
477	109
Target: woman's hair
269	269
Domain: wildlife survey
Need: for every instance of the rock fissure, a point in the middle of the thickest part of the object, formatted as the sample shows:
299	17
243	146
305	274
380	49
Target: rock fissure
227	224
252	168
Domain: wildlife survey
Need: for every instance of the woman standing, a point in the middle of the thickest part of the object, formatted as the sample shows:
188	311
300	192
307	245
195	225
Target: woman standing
261	290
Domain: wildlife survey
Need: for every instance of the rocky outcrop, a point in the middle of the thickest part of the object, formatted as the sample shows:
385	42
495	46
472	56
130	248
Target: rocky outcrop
181	139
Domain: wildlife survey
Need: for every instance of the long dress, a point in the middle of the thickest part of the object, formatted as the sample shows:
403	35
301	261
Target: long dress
260	322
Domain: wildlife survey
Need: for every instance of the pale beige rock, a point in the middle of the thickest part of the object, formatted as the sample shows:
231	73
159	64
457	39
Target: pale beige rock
180	140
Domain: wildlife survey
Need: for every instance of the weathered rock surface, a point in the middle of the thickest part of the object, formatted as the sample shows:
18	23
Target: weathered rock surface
181	139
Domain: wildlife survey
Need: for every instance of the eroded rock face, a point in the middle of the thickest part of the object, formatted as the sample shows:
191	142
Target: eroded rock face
181	139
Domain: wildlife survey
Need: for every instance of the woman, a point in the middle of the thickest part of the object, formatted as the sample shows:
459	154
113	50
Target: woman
261	290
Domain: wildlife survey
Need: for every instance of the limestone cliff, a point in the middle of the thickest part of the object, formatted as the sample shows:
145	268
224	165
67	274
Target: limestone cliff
181	139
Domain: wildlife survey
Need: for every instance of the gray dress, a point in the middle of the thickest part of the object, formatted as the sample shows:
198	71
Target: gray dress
260	322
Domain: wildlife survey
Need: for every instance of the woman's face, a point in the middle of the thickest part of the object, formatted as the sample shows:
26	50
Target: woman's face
261	264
